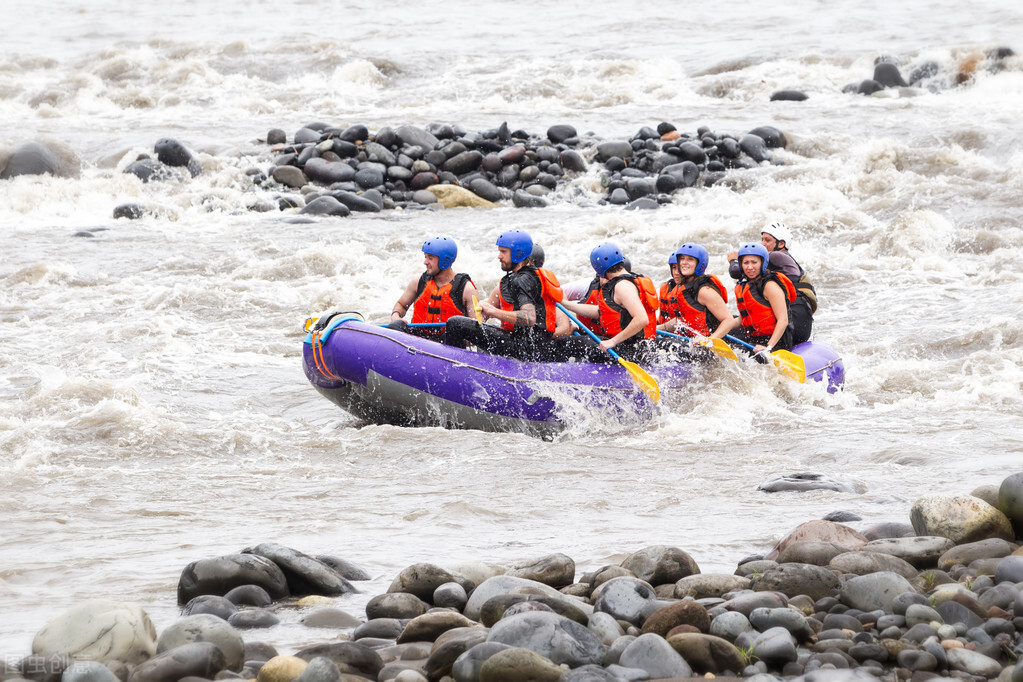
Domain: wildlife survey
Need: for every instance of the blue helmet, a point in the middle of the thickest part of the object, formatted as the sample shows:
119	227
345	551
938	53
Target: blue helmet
672	259
755	250
605	256
518	242
444	248
695	251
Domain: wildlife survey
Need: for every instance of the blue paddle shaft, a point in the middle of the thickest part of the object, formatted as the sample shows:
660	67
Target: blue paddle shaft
585	329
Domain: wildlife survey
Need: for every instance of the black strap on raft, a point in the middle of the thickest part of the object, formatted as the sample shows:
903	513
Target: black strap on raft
322	323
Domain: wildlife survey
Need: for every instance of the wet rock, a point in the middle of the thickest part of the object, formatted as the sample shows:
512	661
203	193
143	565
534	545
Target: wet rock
289	176
449	647
795	579
211	604
172	153
249	595
614	149
379	628
518	665
350	657
101	630
571	161
811	552
842	517
707	654
413	136
253	618
205	628
198	659
320	669
429	626
129	211
450	595
1010	569
889	529
1010	501
523	199
706	585
305	575
745	602
656	656
804	481
400	605
561	132
37	158
874	591
690	613
485	189
961	518
861	563
326	205
628	599
820	531
452	196
550	635
967	553
729	626
754	147
918	551
325	172
496	607
330	617
775	646
795	622
605	627
660	564
150	170
921	613
88	671
281	669
973	662
788	96
466	667
888	75
505	584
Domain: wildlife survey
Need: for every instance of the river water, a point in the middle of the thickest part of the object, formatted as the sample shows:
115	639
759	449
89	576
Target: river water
153	409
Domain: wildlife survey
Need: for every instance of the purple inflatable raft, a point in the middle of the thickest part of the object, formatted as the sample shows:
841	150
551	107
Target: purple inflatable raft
384	376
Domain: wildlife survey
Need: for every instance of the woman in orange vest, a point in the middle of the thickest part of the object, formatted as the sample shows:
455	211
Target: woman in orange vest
436	295
626	303
763	298
700	299
668	294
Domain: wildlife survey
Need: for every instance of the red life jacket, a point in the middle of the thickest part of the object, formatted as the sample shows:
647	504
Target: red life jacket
695	316
550	293
754	309
437	304
668	302
614	318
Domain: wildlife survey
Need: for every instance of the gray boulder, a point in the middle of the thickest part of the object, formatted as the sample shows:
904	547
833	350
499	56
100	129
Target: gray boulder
556	570
795	579
861	563
100	630
37	158
504	584
449	646
960	518
305	575
88	671
919	551
196	659
628	599
205	627
320	669
653	654
550	635
775	646
874	591
660	564
709	585
518	665
422	580
466	667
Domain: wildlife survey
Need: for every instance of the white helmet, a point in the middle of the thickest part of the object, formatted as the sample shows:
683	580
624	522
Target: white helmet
779	231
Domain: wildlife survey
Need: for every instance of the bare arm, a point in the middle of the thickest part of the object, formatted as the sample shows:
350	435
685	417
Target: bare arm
562	325
524	317
718	308
467	294
776	297
584	309
405	301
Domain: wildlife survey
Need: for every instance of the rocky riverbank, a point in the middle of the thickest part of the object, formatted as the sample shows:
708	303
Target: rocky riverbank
938	596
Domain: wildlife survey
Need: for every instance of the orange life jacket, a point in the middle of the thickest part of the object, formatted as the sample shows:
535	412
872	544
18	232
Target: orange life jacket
592	298
754	309
614	318
668	302
695	316
550	293
437	304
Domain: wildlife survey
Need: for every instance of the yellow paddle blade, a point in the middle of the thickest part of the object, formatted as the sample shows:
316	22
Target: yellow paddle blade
720	347
641	377
476	307
309	322
790	364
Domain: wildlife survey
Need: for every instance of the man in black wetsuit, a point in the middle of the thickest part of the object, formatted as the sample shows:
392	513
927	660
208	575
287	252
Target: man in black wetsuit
523	303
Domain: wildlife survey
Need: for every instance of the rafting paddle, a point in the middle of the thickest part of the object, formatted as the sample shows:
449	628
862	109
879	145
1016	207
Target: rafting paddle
476	307
787	362
638	374
716	345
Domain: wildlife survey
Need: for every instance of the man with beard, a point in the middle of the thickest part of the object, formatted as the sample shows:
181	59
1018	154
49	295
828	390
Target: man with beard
523	303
